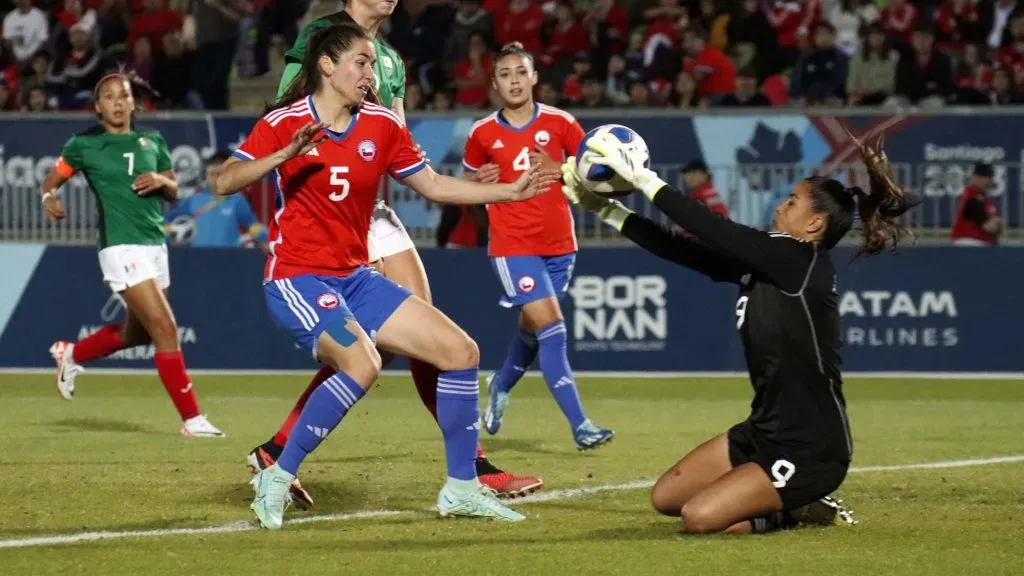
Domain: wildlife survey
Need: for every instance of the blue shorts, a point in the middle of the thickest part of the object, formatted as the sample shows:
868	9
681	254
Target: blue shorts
527	279
304	306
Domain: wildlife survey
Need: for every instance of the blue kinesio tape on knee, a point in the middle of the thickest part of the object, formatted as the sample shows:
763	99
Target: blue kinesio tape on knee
338	330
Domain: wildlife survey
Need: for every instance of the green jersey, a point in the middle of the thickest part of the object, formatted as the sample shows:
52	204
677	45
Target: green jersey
388	70
111	163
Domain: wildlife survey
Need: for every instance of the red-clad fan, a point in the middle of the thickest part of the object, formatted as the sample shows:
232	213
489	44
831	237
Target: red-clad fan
956	23
977	222
899	18
327	151
520	22
698	182
794	19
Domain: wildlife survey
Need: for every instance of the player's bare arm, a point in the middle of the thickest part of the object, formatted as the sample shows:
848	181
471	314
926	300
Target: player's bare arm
51	188
487	174
238	174
448	190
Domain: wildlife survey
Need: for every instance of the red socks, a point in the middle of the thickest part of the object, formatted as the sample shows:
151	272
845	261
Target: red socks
103	342
282	435
171	368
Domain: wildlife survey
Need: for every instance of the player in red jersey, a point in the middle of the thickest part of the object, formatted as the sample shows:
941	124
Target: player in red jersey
328	151
532	243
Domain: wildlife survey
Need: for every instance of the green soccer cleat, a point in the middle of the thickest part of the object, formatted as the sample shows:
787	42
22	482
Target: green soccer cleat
271	485
479	503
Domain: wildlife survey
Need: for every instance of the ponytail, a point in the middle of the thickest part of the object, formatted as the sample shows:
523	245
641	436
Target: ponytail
331	41
137	85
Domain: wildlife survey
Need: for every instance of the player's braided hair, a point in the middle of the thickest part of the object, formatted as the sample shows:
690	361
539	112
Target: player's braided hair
510	49
879	209
330	41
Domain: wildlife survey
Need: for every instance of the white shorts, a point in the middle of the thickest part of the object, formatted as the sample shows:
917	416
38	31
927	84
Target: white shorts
126	265
387	234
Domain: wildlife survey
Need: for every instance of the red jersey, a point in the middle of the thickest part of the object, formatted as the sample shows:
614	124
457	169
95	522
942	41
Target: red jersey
326	197
718	75
708	196
542	225
899	22
974	210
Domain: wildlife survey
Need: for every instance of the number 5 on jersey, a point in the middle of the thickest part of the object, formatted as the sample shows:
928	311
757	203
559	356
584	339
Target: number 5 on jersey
339	181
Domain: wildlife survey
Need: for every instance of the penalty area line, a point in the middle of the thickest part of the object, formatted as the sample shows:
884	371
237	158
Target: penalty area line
548	496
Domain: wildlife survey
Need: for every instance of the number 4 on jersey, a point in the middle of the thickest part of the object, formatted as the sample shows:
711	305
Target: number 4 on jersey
522	161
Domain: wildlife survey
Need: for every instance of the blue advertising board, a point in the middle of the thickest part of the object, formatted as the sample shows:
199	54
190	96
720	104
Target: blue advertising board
754	153
939	309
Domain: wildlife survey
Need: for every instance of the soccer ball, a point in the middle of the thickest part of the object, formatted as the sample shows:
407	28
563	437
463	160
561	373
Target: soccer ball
604	180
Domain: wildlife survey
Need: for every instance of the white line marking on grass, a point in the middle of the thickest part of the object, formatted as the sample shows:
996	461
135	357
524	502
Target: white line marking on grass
549	496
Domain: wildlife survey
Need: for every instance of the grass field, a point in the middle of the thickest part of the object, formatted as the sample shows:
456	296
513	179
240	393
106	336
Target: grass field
112	461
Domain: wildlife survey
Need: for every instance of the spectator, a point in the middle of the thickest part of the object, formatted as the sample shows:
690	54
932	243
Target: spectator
572	87
280	17
899	17
520	22
715	21
566	38
73	74
440	102
872	76
74	12
470	17
152	23
473	75
37	100
712	69
793	21
1012	54
114	19
462	227
142	58
27	30
977	222
608	24
6	98
972	76
206	220
413	97
418	31
548	94
1003	92
174	73
216	40
660	44
846	18
753	39
35	76
994	17
615	80
639	95
684	92
820	75
924	77
593	93
747	93
956	23
9	69
698	183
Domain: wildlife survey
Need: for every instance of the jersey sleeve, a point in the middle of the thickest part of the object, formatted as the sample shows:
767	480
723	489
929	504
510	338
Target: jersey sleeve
70	160
404	160
263	141
163	154
400	89
475	154
675	246
777	258
574	134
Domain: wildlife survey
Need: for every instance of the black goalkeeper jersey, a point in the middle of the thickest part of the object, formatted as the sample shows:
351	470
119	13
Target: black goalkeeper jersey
786	314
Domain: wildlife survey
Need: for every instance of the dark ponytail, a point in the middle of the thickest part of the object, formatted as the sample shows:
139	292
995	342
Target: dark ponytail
511	49
331	41
879	209
139	86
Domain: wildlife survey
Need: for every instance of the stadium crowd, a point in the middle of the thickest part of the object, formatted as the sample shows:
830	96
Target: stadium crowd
591	53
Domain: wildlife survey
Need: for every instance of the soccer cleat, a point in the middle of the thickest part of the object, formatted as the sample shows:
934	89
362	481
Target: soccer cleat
825	512
505	484
263	457
271	500
496	404
67	369
480	503
589	436
200	427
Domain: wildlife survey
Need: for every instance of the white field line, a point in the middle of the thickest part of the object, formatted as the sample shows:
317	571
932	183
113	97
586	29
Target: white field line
534	373
549	496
